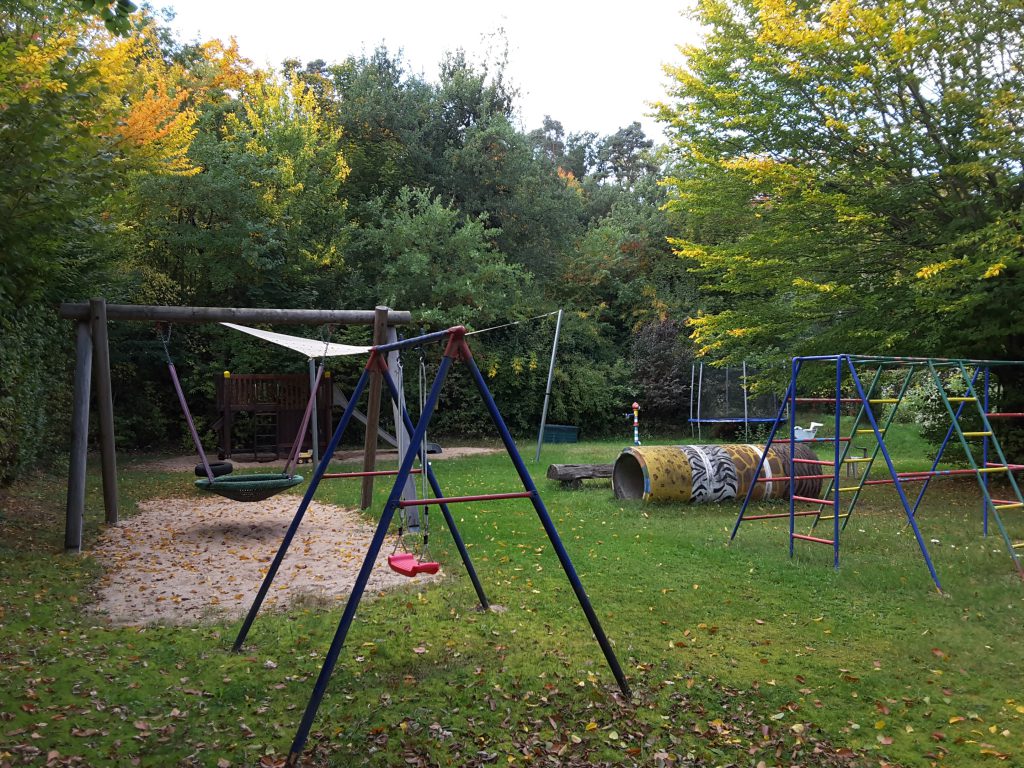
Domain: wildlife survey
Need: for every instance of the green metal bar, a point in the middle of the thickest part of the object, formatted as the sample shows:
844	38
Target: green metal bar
937	361
986	426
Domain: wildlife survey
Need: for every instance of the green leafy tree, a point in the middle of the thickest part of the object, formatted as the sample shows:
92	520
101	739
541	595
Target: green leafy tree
262	223
422	255
848	176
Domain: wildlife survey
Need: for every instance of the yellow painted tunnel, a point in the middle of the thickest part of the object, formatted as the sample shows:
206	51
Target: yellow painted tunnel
706	473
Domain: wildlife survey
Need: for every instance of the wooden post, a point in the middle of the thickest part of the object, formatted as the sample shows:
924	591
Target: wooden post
105	406
380	331
79	439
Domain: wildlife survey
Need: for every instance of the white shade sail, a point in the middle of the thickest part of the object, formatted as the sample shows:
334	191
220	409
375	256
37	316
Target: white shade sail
308	347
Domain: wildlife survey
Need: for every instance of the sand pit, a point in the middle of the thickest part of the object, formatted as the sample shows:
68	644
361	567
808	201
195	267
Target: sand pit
202	558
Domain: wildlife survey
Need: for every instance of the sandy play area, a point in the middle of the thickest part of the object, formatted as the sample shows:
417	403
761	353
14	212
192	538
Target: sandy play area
189	560
198	558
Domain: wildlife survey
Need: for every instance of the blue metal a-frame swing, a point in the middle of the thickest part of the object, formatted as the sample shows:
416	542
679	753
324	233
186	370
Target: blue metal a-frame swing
456	350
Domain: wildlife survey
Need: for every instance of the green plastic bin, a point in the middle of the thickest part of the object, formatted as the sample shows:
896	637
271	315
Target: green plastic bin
560	433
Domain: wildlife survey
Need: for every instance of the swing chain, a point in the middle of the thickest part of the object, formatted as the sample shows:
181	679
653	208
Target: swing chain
163	332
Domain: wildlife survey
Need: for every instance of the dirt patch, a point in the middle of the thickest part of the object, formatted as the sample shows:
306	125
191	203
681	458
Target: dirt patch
189	560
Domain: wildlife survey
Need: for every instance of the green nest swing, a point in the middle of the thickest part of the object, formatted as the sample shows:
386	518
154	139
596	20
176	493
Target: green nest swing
255	487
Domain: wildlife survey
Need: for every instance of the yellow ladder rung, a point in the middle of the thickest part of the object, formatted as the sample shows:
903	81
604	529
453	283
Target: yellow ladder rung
1017	505
857	460
884	400
833	517
993	469
854	488
865	431
977	434
962	399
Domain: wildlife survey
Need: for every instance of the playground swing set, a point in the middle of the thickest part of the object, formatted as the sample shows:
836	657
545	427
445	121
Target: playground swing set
456	350
829	506
92	360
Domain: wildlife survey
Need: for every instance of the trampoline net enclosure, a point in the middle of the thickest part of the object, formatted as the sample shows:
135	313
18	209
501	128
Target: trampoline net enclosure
722	404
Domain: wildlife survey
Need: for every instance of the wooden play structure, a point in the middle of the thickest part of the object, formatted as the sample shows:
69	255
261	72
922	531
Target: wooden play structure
271	406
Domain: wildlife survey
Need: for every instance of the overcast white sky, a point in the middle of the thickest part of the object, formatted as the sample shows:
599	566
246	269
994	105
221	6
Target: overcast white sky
593	65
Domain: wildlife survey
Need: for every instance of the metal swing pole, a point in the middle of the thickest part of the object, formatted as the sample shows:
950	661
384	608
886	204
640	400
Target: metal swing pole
700	386
546	521
547	390
331	659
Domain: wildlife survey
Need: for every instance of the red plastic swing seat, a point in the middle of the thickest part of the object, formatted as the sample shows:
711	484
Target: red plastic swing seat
406	564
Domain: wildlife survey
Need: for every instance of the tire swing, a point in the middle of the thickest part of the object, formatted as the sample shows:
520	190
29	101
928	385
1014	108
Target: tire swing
219	468
256	487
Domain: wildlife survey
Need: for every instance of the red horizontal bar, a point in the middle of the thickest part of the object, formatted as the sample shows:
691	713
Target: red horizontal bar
1008	466
818	462
458	499
774	515
821	440
376	473
994	501
1005	415
813	538
812	501
827	400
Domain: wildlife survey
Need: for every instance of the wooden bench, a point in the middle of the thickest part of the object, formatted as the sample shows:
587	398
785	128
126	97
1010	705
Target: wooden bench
573	475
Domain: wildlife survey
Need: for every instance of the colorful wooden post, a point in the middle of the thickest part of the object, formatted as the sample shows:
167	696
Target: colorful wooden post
636	423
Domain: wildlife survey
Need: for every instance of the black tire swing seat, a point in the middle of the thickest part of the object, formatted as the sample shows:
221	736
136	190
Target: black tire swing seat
256	487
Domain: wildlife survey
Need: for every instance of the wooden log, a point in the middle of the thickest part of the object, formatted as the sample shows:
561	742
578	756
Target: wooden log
242	315
79	439
573	475
105	406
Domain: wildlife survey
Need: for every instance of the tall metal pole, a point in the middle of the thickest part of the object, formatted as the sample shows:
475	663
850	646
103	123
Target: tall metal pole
314	431
547	390
746	410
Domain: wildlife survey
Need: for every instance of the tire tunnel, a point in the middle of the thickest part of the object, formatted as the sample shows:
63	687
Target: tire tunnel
707	473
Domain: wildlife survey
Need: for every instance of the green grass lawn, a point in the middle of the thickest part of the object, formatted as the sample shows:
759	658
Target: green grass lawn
737	654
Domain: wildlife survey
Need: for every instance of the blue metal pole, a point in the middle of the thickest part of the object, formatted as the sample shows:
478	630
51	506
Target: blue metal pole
314	481
416	341
320	688
549	526
895	478
449	520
